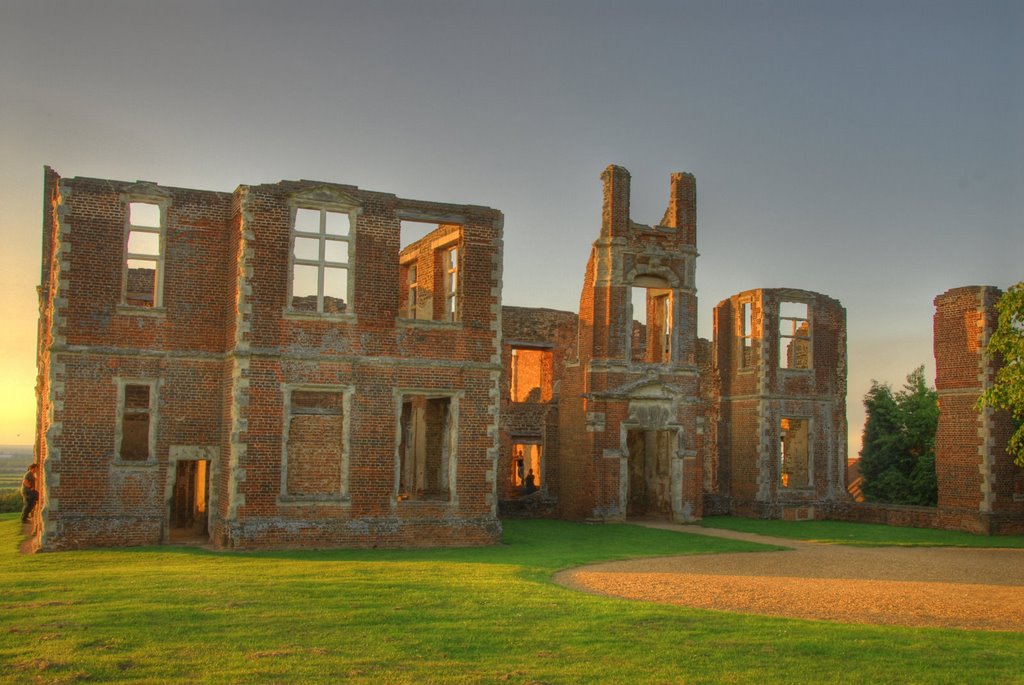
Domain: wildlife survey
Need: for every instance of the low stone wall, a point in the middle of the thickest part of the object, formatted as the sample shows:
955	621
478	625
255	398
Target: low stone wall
716	505
534	506
945	518
886	514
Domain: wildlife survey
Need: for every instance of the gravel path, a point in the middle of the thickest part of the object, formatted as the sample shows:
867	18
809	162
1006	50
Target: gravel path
979	589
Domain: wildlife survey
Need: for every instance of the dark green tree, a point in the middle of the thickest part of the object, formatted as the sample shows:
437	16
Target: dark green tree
898	457
1008	390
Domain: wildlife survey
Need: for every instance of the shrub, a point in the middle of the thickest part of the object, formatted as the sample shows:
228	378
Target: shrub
10	500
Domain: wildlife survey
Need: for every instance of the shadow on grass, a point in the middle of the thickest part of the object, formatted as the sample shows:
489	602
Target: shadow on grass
540	545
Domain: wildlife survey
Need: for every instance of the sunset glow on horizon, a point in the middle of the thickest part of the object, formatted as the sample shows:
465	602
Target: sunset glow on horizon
870	152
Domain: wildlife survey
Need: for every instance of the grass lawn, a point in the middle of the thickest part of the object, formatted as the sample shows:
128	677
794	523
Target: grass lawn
152	615
865	534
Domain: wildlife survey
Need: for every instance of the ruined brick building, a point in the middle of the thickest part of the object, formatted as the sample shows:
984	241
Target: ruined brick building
642	418
312	364
266	367
980	488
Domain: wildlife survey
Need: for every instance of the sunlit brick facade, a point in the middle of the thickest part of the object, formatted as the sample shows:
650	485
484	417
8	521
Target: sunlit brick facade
779	361
980	488
284	366
239	367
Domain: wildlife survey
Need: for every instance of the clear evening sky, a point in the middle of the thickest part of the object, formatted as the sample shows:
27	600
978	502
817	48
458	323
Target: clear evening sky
871	151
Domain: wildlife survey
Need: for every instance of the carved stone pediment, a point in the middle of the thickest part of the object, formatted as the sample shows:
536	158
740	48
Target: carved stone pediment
651	414
645	388
324	195
145	190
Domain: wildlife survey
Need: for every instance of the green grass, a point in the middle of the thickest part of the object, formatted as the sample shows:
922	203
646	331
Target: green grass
864	534
491	615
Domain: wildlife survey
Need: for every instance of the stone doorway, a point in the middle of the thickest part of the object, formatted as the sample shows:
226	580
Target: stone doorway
649	488
190	503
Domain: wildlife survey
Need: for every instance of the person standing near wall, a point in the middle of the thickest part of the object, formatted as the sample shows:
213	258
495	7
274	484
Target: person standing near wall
29	493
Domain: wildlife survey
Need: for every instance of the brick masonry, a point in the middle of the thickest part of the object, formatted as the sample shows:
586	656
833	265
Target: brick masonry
980	489
631	422
350	411
223	353
753	392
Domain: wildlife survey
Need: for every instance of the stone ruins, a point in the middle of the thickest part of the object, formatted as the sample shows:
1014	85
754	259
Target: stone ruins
309	364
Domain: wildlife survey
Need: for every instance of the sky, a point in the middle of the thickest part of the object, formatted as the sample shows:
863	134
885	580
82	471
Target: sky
870	151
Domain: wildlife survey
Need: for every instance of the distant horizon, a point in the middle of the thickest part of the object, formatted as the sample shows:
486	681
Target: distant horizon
866	151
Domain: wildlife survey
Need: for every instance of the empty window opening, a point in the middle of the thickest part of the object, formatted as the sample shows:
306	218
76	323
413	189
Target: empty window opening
746	338
315	446
794	336
526	465
189	502
531	375
136	412
450	265
649	462
412	292
143	272
425	451
429	265
320	259
652	324
794	449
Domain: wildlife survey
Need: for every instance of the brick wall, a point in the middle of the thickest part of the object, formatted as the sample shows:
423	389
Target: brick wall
543	340
608	392
978	483
225	350
757	394
232	362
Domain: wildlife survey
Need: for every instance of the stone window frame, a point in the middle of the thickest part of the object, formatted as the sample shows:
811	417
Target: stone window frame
440	248
529	439
346	392
451	269
793	335
121	383
661	279
516	346
150	196
745	335
453	397
809	420
451	317
413	290
340	206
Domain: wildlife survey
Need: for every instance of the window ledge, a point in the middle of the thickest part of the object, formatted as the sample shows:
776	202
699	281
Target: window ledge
134	310
313	499
796	371
316	316
430	323
136	464
425	501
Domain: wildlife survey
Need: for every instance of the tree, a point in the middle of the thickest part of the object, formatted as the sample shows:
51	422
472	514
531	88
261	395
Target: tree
1007	340
898	457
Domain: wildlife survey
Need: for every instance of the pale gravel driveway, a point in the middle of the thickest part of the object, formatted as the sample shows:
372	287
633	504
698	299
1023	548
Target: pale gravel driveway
979	589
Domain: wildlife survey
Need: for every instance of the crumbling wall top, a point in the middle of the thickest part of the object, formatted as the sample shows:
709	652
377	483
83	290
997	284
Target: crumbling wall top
679	220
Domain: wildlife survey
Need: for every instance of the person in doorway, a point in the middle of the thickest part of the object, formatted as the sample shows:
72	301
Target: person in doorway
29	493
531	484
